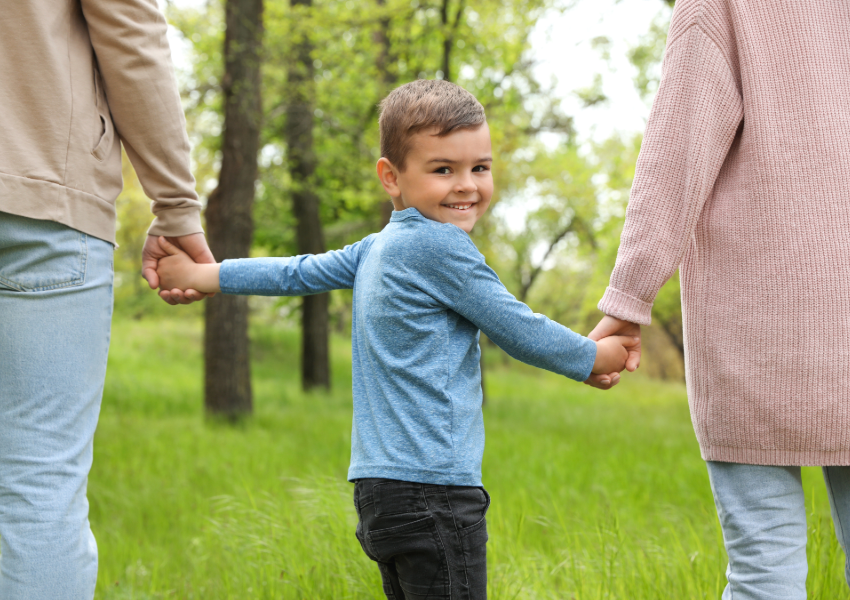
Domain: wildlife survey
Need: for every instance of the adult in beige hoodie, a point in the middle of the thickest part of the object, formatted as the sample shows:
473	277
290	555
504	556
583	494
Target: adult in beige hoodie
78	78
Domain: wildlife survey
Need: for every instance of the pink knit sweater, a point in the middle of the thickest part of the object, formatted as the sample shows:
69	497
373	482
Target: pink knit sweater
743	182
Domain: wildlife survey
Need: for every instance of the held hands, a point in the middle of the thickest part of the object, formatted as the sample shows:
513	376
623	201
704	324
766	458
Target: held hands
195	245
177	271
607	328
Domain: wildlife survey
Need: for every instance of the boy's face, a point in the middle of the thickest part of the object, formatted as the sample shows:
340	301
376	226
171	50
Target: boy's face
447	179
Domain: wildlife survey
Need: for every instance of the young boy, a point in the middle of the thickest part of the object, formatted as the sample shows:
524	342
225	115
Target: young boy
422	291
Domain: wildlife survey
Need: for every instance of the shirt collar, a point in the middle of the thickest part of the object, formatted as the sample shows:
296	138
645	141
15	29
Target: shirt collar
407	213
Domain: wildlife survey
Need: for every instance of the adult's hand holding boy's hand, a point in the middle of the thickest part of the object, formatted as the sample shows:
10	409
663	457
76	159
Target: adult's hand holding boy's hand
612	326
195	245
177	271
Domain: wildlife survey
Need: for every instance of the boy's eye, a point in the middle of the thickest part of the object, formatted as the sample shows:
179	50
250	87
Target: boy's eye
442	170
480	168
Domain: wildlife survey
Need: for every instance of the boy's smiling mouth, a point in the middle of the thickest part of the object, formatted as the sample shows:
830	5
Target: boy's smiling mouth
459	206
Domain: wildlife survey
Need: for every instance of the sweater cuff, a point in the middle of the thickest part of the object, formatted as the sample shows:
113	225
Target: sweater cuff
176	222
588	351
627	308
230	280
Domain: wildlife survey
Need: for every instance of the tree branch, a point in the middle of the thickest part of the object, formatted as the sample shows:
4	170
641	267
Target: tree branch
535	272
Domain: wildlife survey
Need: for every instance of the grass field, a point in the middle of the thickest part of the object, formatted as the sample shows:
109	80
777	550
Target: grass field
595	495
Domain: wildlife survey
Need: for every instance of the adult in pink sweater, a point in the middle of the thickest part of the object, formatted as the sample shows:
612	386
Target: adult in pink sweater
743	183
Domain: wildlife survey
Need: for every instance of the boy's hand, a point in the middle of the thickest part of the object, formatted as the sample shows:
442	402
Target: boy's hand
612	326
178	271
194	244
612	352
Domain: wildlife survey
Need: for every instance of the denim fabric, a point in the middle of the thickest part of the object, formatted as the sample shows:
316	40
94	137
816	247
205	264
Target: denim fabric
763	517
430	541
422	292
55	312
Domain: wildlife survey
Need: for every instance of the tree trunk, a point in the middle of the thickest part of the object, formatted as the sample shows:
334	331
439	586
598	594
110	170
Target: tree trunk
230	227
315	360
383	60
449	32
447	41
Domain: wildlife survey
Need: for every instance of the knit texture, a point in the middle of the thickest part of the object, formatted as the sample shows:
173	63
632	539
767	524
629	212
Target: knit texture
743	182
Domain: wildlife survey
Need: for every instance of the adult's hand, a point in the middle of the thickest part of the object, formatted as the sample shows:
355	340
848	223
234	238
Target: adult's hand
195	245
613	326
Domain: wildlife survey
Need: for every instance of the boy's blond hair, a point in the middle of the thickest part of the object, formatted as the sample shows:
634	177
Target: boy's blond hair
424	104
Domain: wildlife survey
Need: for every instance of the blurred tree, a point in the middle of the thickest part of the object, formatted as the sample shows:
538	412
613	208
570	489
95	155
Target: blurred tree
298	135
384	63
559	199
647	55
451	14
667	313
227	389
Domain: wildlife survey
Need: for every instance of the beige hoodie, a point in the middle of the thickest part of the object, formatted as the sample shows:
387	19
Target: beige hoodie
75	77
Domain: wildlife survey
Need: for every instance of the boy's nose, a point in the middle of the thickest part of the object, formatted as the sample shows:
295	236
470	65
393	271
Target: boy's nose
465	186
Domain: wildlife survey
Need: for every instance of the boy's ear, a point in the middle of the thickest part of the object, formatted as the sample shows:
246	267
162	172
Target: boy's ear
388	175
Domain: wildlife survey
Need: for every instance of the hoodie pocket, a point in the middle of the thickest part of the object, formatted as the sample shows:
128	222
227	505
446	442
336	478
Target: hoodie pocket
104	129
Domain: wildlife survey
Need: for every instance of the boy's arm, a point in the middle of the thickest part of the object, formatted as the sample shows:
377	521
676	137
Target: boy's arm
293	276
527	336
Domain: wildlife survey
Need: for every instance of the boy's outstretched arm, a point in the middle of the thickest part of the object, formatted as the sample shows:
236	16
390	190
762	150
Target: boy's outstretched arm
533	338
288	276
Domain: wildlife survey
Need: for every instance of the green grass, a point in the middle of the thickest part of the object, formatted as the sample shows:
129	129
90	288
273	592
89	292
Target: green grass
595	495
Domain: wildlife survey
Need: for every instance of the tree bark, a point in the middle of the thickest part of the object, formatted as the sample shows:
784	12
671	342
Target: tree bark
230	227
315	360
673	329
383	60
449	31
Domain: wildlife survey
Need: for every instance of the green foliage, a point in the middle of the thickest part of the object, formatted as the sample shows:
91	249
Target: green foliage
559	206
353	72
593	94
547	225
583	506
134	218
361	51
646	55
580	192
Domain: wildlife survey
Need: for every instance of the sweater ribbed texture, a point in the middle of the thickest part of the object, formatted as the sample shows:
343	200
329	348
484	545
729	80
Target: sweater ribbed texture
743	182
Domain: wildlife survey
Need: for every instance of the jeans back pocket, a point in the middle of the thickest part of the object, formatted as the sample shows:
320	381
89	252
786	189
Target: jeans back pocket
38	255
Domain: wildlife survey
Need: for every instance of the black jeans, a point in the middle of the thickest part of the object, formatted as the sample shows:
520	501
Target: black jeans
430	541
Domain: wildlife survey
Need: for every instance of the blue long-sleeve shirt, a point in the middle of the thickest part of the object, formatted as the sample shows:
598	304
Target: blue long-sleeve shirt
422	292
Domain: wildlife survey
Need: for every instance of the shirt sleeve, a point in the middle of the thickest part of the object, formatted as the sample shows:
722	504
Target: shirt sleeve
293	276
693	122
134	60
515	328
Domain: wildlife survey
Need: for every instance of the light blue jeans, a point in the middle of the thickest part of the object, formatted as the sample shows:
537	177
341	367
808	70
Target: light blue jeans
763	517
55	313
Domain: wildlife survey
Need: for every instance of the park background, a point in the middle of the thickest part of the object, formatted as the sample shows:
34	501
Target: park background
223	445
